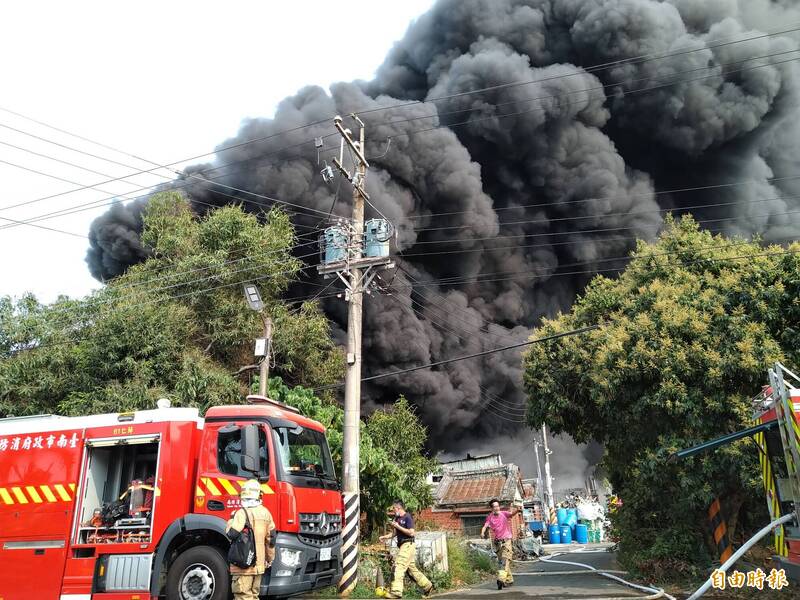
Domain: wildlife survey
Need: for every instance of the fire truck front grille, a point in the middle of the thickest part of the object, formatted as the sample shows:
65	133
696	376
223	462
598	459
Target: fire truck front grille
321	566
319	529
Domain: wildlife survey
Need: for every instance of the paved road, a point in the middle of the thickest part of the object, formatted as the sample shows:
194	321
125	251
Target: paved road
531	580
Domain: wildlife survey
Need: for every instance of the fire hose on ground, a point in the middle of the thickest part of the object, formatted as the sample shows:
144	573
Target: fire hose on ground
738	554
653	592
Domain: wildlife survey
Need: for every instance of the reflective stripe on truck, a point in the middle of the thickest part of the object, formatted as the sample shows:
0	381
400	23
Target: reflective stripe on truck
37	494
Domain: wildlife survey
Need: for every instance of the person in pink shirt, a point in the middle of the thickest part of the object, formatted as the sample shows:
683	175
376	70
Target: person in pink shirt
499	521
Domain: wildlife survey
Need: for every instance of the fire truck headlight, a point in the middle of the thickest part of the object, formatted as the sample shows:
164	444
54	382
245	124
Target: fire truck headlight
290	558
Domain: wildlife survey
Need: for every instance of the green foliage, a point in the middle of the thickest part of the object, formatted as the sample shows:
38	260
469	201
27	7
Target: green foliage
175	325
687	332
393	462
467	566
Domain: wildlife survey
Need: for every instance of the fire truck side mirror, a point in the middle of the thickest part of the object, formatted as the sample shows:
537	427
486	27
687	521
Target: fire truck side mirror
251	459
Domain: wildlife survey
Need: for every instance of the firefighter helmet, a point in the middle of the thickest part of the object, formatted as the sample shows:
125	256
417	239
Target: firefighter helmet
251	490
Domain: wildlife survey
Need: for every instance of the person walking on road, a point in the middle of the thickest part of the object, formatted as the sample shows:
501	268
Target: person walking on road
406	560
246	583
499	521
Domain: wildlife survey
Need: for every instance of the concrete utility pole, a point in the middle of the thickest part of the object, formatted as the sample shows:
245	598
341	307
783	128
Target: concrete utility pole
548	480
538	468
348	262
263	376
352	390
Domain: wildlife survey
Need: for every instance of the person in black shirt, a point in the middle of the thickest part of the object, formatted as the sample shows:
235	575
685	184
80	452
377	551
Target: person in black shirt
406	559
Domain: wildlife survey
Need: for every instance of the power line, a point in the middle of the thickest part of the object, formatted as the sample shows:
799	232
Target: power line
190	175
513	346
154	301
596	230
632	213
700	188
222	149
443	281
204	279
45	227
591	69
215	266
475	355
601	87
525	275
588	69
620	94
478	330
489	407
423	131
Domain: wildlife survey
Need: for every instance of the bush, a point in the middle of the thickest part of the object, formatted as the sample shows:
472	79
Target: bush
467	567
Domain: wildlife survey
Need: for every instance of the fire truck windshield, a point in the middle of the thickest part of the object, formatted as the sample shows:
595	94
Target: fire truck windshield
303	453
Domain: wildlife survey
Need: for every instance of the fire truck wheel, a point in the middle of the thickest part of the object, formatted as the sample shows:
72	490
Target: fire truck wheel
200	573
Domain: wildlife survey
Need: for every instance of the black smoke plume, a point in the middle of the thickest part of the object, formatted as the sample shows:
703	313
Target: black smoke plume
545	181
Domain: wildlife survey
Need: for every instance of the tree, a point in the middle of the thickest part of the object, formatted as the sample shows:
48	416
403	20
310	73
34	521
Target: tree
175	325
393	460
686	334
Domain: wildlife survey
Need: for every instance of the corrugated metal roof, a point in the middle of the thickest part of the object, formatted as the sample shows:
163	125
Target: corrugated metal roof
473	463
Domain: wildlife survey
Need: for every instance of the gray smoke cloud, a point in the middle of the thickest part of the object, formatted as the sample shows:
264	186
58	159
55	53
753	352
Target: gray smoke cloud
547	181
570	463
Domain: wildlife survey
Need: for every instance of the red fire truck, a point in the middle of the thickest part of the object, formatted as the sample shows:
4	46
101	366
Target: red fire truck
133	505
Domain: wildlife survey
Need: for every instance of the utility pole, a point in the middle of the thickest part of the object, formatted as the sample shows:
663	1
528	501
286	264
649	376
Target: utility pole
352	389
345	258
263	376
548	480
356	272
538	468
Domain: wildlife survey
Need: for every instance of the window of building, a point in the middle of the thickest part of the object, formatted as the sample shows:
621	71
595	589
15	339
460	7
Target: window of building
472	525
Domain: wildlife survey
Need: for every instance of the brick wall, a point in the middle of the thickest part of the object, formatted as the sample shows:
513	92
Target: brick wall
450	522
442	520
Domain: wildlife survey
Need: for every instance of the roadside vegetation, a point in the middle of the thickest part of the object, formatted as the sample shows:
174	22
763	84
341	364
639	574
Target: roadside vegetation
176	326
685	336
467	568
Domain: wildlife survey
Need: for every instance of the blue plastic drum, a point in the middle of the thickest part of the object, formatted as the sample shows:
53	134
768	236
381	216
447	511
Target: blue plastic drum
572	519
554	534
561	514
566	534
581	534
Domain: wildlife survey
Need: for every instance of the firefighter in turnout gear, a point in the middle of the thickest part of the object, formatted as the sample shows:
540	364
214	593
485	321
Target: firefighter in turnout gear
499	521
406	559
246	583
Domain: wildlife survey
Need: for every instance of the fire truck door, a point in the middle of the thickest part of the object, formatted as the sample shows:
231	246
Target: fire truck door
32	565
222	474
